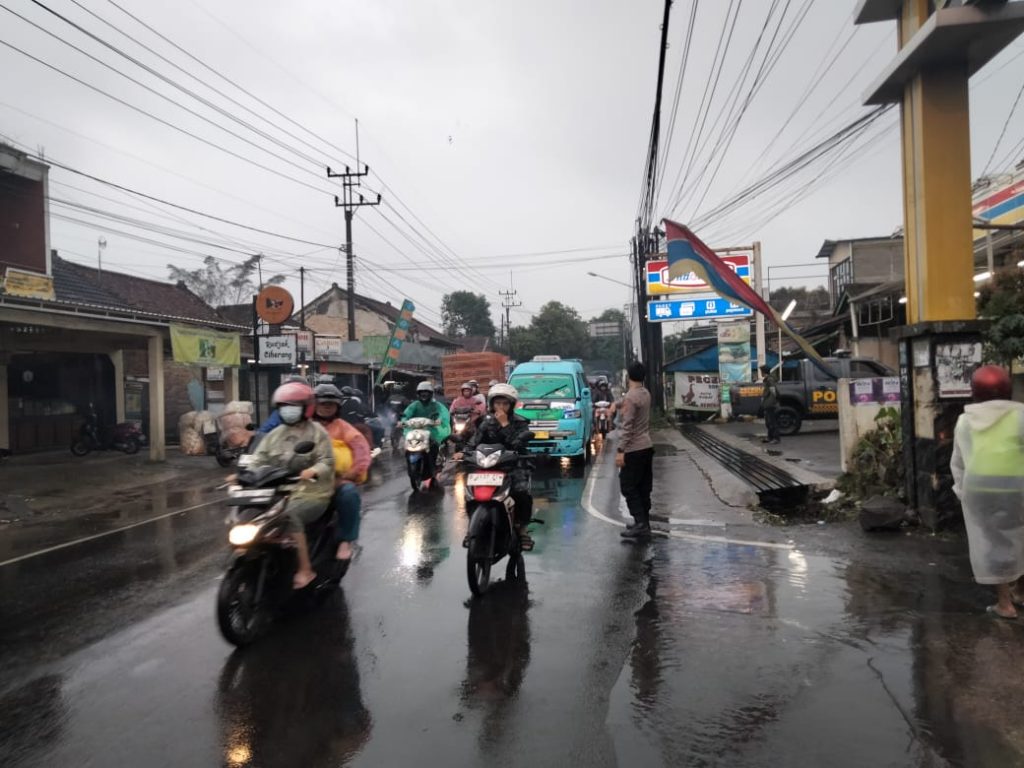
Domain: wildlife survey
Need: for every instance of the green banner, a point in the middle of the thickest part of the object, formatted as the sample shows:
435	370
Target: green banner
398	334
202	346
374	347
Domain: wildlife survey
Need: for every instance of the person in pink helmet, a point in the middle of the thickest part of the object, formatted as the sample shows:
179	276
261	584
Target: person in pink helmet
988	476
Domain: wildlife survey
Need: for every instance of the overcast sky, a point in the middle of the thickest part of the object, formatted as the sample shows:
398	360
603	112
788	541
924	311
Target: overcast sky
501	129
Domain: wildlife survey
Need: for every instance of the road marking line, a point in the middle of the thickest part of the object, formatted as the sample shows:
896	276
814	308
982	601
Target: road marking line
588	505
84	539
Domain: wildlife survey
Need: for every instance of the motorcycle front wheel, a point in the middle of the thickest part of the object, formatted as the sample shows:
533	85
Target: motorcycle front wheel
80	447
478	569
131	445
240	617
226	459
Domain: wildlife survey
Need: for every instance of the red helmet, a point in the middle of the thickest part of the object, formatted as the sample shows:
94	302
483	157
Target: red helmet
990	382
295	393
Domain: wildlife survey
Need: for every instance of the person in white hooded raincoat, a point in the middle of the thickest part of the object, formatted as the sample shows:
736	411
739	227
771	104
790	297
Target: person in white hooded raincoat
988	477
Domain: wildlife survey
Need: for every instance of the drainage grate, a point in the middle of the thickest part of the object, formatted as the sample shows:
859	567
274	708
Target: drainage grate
763	476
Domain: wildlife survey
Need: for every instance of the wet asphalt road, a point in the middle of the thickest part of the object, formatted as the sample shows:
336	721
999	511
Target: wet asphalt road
679	652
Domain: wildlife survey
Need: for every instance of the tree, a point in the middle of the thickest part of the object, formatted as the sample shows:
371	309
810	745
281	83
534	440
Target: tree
1001	302
555	330
218	286
816	298
466	314
608	348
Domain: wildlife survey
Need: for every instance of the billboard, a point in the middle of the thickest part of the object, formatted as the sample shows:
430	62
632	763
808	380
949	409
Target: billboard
734	353
659	284
699	308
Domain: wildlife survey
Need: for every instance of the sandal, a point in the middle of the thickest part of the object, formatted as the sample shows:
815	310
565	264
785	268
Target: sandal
301	582
993	611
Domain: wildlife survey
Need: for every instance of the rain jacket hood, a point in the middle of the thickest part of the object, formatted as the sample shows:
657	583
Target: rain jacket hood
983	416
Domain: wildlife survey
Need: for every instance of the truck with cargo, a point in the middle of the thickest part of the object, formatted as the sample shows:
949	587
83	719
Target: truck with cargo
464	366
805	390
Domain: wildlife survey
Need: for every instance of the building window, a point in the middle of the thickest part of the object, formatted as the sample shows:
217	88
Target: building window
841	275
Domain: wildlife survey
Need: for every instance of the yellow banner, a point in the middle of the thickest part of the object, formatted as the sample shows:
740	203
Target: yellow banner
28	285
202	346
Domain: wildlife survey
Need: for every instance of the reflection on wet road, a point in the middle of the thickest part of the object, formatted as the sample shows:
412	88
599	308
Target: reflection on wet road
680	652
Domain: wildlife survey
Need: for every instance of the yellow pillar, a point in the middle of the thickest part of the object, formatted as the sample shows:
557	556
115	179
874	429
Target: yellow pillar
935	131
157	444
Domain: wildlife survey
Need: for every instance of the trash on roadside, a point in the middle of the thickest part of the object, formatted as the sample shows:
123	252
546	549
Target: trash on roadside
880	513
833	497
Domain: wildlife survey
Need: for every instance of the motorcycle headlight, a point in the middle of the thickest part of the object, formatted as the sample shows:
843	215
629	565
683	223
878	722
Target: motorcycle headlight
488	461
460	426
240	535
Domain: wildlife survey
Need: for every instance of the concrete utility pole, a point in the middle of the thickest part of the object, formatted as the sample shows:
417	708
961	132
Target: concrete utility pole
508	302
350	201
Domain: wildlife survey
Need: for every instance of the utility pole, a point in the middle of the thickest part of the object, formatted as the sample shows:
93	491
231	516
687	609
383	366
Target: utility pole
350	200
508	302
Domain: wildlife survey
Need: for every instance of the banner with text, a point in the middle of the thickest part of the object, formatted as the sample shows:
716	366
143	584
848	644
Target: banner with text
202	346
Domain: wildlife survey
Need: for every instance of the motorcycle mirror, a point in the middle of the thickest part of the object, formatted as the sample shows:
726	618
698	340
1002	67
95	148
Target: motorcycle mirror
306	446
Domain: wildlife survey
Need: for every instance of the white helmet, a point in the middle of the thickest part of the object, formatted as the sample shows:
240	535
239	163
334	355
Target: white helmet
506	391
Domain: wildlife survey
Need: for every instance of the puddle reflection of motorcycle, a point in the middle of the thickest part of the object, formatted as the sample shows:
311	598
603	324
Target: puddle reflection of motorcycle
498	653
424	544
281	707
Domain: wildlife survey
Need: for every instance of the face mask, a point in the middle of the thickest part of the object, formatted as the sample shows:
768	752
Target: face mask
290	414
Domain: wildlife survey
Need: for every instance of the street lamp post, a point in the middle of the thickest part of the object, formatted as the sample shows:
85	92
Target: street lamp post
785	316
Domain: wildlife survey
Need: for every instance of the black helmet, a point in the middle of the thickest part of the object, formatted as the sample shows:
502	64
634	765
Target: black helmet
327	393
346	391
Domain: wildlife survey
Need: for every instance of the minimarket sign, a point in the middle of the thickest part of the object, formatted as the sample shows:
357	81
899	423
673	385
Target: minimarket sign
202	346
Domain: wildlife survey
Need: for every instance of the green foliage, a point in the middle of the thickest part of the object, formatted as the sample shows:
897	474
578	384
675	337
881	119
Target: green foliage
217	285
876	466
1002	303
466	314
556	330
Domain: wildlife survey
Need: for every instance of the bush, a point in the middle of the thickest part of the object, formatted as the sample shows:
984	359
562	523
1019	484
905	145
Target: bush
876	466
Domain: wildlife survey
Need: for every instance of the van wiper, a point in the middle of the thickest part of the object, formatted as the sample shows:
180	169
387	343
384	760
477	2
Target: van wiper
547	394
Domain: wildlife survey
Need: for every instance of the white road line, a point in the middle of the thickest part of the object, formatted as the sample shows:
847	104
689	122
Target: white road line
84	539
588	505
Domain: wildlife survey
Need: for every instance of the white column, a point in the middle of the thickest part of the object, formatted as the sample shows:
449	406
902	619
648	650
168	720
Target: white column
231	376
117	358
157	445
5	419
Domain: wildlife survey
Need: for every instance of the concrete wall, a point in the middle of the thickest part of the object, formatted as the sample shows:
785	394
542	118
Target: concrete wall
855	421
877	262
331	319
23	223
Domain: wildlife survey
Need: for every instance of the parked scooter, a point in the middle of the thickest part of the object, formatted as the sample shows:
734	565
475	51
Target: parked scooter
258	584
603	417
422	476
126	436
489	503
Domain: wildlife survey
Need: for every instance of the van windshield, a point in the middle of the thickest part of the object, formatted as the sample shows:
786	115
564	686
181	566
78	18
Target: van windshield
543	386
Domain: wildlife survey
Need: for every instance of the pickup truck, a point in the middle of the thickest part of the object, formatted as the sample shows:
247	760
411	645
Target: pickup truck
805	391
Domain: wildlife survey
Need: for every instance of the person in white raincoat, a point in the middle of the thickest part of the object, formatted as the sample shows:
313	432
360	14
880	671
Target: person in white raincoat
988	477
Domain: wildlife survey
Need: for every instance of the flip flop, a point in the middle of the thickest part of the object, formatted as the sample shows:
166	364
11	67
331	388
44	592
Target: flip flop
303	584
991	611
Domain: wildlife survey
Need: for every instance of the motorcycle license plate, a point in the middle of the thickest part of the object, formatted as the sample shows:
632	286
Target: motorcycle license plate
485	478
541	435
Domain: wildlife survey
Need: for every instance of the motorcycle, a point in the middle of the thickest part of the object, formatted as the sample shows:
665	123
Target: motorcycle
417	453
489	502
396	406
603	417
463	426
257	586
126	436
